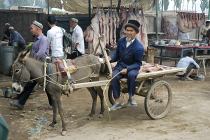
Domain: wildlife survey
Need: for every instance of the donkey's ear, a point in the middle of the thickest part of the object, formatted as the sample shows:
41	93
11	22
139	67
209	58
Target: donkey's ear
23	55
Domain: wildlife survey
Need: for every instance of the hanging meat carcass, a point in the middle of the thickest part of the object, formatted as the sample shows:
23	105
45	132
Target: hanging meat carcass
186	22
104	28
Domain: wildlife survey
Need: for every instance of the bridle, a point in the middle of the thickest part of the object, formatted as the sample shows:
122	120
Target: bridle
18	79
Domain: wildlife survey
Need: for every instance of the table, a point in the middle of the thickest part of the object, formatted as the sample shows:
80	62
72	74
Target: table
201	50
181	50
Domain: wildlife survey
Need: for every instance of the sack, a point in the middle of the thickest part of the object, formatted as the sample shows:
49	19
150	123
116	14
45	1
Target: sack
67	40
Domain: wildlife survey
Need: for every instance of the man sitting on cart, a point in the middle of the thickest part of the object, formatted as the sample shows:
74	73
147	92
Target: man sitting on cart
191	67
128	55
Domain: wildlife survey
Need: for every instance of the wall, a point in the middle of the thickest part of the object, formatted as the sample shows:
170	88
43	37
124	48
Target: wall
21	20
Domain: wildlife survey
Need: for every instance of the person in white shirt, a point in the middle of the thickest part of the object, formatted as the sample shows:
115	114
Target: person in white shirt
191	67
77	39
55	38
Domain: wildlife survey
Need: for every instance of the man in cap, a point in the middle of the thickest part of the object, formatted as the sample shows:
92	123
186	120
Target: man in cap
77	39
129	54
16	39
40	50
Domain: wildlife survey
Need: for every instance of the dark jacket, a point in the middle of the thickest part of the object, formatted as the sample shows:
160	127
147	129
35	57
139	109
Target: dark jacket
16	37
130	57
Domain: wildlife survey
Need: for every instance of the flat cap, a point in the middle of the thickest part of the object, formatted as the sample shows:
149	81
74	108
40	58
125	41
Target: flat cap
74	20
38	24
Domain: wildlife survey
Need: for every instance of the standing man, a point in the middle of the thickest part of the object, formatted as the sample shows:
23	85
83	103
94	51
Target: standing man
77	39
204	30
55	38
129	54
16	39
40	51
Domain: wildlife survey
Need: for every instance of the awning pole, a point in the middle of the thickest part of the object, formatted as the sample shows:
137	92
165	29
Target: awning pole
157	3
48	7
89	8
118	6
209	11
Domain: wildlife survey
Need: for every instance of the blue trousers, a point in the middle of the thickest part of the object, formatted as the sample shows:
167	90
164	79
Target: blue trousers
131	76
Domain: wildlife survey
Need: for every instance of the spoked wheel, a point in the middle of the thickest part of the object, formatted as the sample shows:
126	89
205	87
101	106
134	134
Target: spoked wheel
158	100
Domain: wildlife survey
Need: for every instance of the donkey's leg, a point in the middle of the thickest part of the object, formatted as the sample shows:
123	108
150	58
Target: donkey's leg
52	101
100	94
54	107
60	110
93	94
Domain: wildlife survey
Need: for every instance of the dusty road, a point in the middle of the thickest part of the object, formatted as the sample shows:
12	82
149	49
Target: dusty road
189	117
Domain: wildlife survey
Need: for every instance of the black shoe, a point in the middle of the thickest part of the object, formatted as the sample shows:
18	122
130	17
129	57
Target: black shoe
16	104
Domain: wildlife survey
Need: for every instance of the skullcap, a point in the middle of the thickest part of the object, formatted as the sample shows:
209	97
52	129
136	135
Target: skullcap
11	28
38	24
7	24
74	20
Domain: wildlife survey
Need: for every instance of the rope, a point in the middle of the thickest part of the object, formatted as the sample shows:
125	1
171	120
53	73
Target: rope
60	85
105	100
58	73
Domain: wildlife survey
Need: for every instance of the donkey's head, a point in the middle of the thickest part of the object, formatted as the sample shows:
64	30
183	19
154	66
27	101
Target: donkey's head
20	73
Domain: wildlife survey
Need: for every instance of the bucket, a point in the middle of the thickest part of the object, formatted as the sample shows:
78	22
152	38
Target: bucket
8	92
7	56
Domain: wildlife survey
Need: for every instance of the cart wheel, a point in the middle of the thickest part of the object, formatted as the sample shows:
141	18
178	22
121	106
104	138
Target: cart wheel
158	100
110	95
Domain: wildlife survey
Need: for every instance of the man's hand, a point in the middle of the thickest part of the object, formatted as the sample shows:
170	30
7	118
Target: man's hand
124	71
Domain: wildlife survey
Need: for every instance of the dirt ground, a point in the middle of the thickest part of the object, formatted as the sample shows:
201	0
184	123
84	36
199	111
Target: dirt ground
189	118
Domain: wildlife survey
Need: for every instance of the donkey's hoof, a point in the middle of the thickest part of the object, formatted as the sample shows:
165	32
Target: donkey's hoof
90	118
52	124
101	116
91	114
63	133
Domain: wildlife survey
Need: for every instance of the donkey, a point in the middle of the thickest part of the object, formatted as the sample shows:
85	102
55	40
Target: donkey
26	68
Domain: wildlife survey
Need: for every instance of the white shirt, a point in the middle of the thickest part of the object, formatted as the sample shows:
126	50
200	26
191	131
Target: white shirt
55	38
185	62
78	38
129	42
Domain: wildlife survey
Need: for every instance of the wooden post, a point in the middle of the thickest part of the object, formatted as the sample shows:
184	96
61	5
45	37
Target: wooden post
105	56
48	7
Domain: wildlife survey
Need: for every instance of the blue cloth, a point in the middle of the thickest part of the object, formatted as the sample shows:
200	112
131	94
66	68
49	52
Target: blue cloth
186	61
40	48
16	37
130	58
4	130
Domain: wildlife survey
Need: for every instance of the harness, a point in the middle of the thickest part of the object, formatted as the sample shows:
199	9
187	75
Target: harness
68	86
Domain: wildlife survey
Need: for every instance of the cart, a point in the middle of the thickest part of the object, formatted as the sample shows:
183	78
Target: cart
157	93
